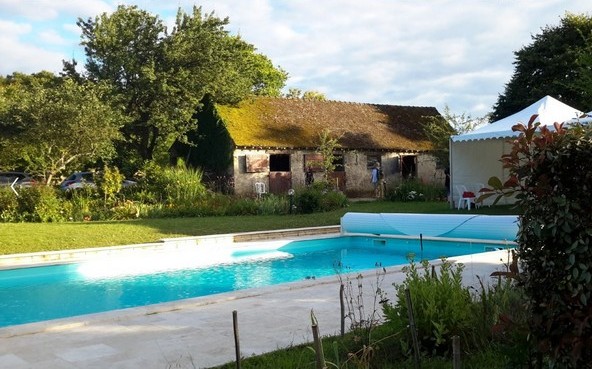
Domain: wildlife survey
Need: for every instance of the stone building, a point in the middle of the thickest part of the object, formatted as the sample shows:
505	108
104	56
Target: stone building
274	140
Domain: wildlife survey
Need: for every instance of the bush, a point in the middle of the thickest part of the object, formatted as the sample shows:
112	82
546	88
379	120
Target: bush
442	306
332	200
8	205
127	210
175	185
319	197
40	204
109	183
243	206
83	204
307	201
273	205
551	175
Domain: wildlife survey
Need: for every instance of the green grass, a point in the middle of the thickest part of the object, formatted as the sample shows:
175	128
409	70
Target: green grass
33	237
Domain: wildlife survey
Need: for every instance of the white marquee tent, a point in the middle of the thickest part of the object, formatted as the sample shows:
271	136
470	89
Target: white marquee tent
475	156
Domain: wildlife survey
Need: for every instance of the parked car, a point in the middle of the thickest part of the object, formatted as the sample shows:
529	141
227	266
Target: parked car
22	179
85	179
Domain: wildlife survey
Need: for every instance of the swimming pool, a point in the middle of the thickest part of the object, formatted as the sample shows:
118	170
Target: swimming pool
51	292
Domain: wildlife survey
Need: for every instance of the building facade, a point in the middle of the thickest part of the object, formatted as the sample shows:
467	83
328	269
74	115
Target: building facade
273	141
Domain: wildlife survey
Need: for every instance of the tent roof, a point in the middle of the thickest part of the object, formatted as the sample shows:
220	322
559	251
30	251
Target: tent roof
548	109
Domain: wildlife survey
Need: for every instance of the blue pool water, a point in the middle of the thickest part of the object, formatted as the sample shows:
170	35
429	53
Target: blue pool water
50	292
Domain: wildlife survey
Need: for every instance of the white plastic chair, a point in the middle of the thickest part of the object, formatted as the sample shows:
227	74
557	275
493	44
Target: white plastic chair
462	200
260	189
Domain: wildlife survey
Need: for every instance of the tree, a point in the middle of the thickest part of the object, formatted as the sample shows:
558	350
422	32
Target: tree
556	63
50	124
296	93
314	95
438	130
159	78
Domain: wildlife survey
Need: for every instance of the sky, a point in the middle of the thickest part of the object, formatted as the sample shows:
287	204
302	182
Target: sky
455	53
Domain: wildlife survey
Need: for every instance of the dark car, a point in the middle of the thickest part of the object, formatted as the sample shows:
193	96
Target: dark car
85	179
19	179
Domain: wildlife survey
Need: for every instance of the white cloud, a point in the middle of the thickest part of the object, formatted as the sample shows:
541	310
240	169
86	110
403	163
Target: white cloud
432	53
51	36
51	9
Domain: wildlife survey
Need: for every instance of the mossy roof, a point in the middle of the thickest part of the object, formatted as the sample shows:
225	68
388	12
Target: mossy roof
297	123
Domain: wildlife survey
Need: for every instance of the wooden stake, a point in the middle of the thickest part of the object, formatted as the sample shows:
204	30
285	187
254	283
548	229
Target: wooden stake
456	352
412	328
236	339
342	303
318	344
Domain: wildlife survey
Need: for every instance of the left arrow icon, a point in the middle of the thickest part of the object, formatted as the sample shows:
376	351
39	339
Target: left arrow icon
12	187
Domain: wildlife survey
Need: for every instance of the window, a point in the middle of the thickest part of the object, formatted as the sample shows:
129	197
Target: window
339	163
315	161
279	163
257	163
409	166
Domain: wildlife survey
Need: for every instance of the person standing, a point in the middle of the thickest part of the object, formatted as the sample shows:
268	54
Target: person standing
309	177
375	179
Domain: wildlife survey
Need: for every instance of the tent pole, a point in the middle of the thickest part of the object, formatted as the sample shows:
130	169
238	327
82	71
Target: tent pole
450	171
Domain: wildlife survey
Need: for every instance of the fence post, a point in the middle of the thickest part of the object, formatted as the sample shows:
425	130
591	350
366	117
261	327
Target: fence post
342	305
236	339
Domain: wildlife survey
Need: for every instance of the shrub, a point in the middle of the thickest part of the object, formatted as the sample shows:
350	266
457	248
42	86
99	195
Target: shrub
126	210
332	200
442	306
243	206
321	196
84	203
109	183
8	205
175	185
40	204
214	204
551	176
273	205
307	200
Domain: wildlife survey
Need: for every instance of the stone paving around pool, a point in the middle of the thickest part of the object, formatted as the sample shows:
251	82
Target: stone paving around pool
198	332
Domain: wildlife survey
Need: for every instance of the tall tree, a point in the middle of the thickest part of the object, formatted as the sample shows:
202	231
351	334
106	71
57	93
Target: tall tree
160	78
50	124
555	63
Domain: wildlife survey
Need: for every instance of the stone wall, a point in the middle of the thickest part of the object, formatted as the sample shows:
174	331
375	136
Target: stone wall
357	166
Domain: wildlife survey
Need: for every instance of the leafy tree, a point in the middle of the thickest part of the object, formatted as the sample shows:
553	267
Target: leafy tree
160	77
50	124
556	63
438	130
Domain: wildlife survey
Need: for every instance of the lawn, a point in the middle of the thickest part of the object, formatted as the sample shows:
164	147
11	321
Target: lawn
34	237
